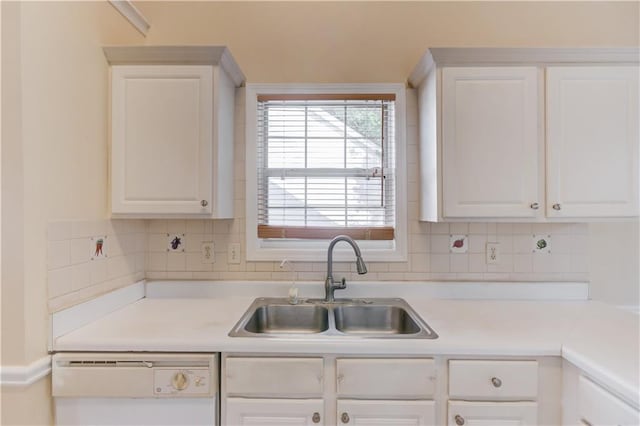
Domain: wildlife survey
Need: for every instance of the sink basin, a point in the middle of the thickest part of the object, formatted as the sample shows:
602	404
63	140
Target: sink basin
372	319
365	318
288	319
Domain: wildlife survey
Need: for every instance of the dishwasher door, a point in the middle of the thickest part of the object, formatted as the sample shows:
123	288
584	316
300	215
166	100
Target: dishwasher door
135	389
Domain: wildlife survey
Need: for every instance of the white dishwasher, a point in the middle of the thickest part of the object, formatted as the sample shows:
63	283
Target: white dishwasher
135	389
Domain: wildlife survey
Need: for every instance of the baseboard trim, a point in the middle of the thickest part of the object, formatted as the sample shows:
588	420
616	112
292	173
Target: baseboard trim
25	375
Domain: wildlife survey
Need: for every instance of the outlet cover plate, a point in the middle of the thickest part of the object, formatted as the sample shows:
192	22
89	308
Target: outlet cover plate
233	253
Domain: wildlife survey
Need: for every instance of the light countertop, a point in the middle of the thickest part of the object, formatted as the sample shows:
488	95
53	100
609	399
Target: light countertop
600	339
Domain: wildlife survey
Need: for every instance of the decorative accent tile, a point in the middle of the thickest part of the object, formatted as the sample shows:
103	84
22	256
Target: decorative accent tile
98	247
458	244
541	243
176	242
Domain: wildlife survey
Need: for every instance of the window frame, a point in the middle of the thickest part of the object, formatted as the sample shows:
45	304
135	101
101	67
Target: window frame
312	250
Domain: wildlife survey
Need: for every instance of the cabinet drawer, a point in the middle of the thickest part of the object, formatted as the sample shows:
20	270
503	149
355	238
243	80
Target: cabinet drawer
597	406
386	378
521	413
282	377
493	380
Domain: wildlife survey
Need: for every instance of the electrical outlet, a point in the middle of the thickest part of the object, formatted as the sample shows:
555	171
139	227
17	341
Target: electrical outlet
493	253
207	252
233	253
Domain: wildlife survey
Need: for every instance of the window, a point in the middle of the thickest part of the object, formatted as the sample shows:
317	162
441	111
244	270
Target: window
322	163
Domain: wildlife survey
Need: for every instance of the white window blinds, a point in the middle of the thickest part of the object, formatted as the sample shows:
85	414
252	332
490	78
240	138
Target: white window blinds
326	166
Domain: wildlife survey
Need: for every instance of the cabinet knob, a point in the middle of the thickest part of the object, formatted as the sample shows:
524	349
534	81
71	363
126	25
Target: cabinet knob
345	418
204	203
316	417
535	206
496	382
459	419
556	206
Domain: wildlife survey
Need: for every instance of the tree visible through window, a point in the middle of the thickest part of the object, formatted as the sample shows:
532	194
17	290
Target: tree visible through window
326	166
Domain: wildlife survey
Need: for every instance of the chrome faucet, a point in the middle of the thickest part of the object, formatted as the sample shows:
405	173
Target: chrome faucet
330	285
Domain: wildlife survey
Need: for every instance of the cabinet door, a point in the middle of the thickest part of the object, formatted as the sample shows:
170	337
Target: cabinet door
491	147
592	141
386	413
274	412
492	413
596	406
161	149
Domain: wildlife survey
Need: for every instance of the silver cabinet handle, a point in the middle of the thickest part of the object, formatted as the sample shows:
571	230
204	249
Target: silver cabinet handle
535	206
459	419
556	206
316	417
496	382
345	418
204	203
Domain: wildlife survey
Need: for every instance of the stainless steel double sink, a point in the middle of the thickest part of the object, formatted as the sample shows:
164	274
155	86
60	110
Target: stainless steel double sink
369	318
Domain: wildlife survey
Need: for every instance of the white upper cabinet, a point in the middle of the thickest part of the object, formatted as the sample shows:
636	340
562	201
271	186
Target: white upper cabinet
500	142
592	141
490	142
172	131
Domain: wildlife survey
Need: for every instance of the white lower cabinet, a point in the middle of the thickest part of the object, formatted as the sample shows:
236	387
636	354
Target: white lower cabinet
596	406
386	413
464	413
493	393
274	412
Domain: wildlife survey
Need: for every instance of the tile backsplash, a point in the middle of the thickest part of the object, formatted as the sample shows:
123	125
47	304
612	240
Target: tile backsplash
89	258
430	256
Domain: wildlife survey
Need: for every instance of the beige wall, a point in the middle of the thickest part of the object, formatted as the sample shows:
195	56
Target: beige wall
378	42
54	153
29	406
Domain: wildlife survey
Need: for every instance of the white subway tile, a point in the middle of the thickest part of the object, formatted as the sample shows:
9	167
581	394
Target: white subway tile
157	261
58	254
98	271
477	262
419	262
195	226
81	250
459	262
523	263
60	281
158	242
521	228
458	228
522	244
176	226
81	275
477	243
439	243
157	226
439	262
176	262
504	228
439	228
194	263
477	228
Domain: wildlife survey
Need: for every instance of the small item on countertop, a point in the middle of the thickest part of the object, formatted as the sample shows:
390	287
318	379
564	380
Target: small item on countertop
285	265
293	295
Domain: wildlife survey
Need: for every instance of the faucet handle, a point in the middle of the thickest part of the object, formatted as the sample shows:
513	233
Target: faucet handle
343	283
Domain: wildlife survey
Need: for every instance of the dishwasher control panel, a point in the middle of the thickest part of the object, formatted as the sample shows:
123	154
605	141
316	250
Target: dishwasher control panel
182	381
